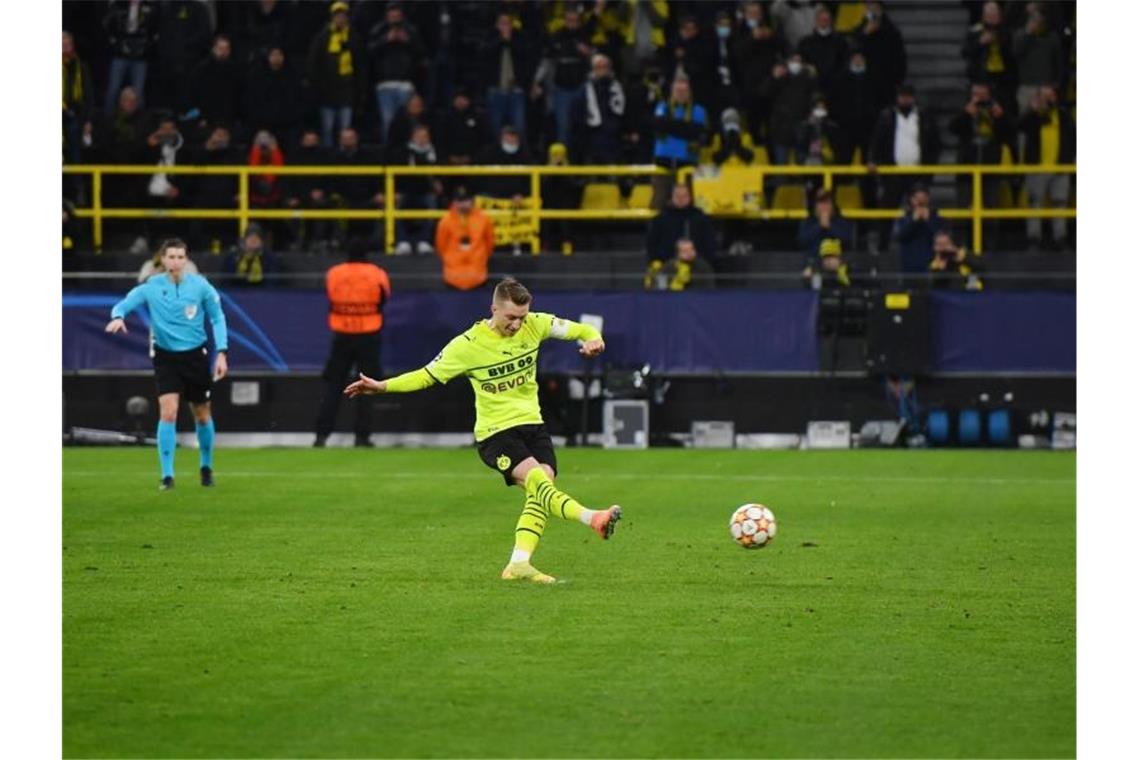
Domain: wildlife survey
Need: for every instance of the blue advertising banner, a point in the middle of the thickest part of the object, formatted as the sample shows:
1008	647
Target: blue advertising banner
673	332
1003	332
697	332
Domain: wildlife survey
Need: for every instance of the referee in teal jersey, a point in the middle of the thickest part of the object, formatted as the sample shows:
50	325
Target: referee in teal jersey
179	304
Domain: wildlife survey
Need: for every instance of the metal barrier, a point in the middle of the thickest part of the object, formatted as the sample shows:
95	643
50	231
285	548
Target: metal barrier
388	174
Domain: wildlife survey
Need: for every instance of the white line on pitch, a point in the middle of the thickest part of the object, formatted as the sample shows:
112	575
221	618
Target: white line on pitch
222	473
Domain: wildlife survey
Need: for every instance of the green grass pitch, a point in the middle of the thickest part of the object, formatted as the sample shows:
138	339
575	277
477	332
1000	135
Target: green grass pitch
347	603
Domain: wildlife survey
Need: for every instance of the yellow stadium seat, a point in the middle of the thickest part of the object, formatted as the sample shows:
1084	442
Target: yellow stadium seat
790	198
848	197
849	17
641	196
857	156
1006	156
598	196
761	156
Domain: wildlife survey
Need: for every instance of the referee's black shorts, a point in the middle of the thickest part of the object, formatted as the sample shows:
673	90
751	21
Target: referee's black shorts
184	372
506	450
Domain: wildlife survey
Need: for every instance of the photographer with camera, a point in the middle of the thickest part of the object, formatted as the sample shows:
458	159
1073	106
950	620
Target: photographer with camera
464	241
982	128
952	267
915	231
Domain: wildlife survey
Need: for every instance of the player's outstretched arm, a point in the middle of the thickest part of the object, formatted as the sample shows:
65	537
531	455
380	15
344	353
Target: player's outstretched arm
119	311
116	325
592	347
365	386
589	339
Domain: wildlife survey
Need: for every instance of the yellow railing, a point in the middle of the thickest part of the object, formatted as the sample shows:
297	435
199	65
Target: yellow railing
386	178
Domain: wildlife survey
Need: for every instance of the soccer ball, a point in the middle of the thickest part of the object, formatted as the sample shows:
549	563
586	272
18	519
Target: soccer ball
753	526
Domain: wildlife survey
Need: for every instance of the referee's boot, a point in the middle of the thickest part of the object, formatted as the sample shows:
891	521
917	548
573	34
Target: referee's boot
207	476
166	484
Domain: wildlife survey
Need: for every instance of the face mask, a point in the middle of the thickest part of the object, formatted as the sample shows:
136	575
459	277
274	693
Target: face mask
795	67
858	69
823	32
752	22
872	16
723	32
819	113
509	148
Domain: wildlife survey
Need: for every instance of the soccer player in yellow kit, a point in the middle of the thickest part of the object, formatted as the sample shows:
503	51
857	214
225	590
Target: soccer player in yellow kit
500	357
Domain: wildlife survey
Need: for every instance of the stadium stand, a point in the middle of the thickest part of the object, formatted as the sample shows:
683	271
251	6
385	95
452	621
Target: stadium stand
231	78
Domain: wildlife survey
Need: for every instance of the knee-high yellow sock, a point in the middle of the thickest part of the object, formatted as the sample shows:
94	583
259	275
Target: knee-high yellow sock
528	530
540	488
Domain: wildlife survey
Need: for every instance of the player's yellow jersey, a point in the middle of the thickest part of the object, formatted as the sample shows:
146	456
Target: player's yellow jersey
502	369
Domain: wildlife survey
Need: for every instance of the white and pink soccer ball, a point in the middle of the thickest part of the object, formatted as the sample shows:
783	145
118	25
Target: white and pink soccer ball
753	526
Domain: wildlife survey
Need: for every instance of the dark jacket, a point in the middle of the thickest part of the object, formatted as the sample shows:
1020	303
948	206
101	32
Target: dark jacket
216	90
671	225
400	130
916	239
831	141
883	138
395	60
214	190
459	134
505	186
980	137
301	185
491	56
184	28
886	60
755	59
827	53
811	235
263	30
601	141
1031	124
338	75
357	190
77	90
133	45
274	100
570	65
700	64
1040	58
403	155
852	103
791	99
1003	75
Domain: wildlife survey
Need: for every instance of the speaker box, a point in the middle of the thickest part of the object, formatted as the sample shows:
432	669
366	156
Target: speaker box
898	333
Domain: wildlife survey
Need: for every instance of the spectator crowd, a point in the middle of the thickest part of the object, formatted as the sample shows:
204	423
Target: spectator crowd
273	83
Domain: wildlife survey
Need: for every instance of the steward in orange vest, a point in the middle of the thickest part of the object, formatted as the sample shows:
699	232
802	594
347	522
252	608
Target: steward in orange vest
357	291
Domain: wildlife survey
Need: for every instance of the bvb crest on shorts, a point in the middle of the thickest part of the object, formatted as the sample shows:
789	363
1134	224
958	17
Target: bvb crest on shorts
503	462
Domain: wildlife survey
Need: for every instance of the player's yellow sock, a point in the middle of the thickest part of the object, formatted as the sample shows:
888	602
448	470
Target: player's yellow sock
528	530
541	488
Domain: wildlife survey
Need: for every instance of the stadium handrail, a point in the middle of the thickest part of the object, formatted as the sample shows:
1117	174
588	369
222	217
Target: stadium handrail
976	213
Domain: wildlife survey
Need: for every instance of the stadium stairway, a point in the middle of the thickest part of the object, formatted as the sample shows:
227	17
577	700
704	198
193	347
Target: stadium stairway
933	34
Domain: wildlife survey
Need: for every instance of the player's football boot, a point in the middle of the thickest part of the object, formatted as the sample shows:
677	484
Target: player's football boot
604	521
207	476
166	484
524	571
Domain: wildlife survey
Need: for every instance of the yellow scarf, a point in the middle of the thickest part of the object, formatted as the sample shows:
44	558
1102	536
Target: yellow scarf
76	82
250	265
338	45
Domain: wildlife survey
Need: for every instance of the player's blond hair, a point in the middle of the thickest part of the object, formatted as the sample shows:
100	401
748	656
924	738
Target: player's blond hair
512	290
